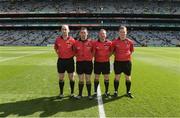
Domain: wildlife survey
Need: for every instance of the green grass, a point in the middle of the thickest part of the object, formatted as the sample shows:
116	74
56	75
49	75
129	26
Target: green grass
29	85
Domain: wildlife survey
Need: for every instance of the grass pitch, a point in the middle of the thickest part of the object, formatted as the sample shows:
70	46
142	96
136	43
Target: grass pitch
29	85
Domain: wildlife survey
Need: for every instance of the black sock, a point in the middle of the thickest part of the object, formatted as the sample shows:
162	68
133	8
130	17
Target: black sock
61	86
106	83
81	85
96	83
116	85
88	85
72	86
128	86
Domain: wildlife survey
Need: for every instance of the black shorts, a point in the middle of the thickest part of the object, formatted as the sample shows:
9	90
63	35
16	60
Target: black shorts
122	66
84	67
102	67
65	65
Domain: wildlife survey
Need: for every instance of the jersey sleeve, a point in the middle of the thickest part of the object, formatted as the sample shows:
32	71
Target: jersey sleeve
74	46
113	45
94	47
132	47
56	45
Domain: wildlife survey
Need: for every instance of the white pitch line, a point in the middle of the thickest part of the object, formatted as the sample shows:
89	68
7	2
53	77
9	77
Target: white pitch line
100	104
12	58
111	66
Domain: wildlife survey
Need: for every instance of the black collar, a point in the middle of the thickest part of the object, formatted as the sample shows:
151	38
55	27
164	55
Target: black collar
83	40
100	40
120	39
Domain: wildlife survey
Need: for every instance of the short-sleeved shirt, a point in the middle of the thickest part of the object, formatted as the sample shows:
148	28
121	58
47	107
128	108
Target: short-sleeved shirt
123	49
84	50
102	50
64	47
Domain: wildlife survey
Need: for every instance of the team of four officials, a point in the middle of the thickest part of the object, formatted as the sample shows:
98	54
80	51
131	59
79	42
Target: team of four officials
84	49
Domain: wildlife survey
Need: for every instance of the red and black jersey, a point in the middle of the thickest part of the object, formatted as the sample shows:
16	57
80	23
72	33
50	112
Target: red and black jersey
84	50
64	48
123	49
102	50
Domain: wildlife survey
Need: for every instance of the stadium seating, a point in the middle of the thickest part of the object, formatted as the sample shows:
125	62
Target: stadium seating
155	23
107	6
45	37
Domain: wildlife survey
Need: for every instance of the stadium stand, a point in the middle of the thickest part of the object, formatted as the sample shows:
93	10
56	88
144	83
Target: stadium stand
45	37
36	23
93	6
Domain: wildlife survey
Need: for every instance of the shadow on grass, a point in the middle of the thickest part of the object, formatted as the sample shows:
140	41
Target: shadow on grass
48	106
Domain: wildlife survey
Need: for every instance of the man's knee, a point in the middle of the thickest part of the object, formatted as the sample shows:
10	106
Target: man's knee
128	78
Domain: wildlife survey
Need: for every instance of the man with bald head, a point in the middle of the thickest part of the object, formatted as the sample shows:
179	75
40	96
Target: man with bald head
102	52
64	48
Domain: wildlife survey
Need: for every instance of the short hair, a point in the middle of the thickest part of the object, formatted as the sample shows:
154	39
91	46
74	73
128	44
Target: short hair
102	30
123	27
65	26
84	28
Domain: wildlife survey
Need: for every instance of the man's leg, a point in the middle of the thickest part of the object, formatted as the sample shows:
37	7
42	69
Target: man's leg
88	85
106	83
71	82
128	85
96	83
80	85
116	84
61	84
